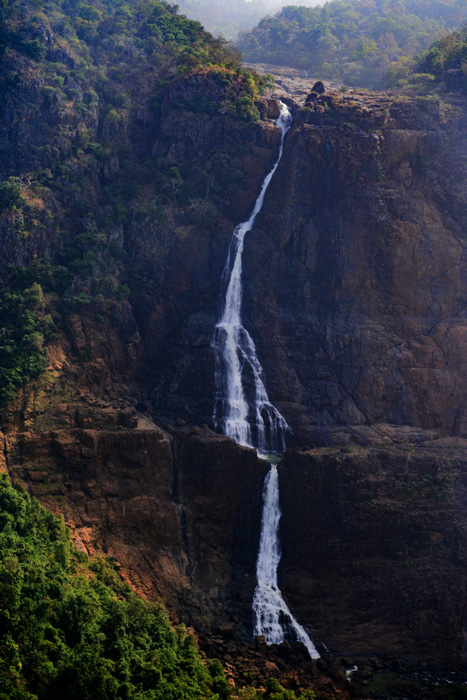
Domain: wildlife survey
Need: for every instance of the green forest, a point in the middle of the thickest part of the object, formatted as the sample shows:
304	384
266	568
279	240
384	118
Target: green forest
70	629
366	43
446	61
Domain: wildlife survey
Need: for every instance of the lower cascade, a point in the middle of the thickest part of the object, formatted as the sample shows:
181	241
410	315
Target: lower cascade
273	618
243	411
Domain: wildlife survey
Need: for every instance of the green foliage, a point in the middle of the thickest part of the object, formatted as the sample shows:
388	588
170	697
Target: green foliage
10	193
245	109
274	691
445	62
24	331
70	629
87	64
85	270
355	41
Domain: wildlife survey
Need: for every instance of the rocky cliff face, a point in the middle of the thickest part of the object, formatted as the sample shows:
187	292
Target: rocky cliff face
373	539
355	295
181	262
374	548
180	511
363	233
355	269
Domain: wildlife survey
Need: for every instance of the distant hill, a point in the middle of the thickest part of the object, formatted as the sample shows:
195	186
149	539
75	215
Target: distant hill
228	17
353	41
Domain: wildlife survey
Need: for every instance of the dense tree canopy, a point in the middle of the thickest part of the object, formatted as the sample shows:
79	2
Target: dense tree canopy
352	41
446	61
70	629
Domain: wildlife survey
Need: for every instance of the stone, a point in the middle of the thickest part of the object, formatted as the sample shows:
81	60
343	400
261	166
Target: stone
318	87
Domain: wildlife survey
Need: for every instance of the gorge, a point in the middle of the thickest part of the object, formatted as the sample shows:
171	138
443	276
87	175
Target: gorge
126	189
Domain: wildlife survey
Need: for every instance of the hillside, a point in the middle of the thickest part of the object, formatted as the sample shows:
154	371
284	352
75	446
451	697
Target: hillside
71	629
445	61
82	91
355	42
227	18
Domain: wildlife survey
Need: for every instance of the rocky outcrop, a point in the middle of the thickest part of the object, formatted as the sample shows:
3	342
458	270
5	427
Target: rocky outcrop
355	270
356	298
373	539
355	267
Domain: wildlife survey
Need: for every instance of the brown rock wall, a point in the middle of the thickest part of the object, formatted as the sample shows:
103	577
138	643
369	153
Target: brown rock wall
180	513
374	556
367	252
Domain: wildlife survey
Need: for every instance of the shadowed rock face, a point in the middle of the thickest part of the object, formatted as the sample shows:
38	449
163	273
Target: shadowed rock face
357	271
373	539
374	556
355	296
355	284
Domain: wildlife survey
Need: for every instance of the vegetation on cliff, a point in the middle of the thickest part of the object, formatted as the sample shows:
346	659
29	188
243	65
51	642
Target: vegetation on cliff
442	67
446	61
70	628
353	41
84	87
24	330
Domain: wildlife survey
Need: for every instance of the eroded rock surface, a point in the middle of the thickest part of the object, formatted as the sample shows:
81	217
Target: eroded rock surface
355	294
179	512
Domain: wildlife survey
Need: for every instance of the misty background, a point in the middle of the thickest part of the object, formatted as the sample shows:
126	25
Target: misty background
229	17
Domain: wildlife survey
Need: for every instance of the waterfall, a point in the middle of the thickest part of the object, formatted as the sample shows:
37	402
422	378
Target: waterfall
273	618
242	408
243	411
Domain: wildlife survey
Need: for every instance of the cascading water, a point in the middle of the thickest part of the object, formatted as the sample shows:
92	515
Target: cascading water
243	411
242	408
273	618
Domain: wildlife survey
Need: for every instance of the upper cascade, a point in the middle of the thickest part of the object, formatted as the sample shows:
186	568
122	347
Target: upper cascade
242	409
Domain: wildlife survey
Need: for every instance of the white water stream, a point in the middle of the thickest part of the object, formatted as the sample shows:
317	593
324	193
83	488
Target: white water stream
242	408
243	411
272	615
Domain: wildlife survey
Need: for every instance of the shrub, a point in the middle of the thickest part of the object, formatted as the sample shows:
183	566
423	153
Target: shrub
10	193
